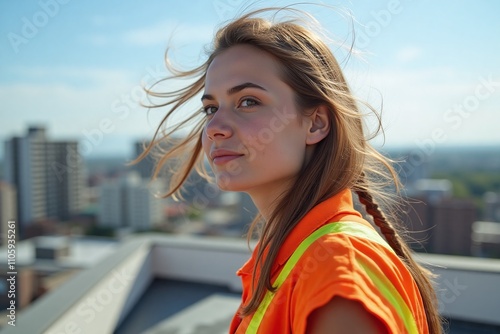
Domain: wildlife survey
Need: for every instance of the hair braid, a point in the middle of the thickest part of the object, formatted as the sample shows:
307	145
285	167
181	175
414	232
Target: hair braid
381	221
422	276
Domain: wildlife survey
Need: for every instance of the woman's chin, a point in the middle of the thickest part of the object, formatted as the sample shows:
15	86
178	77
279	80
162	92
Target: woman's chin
226	184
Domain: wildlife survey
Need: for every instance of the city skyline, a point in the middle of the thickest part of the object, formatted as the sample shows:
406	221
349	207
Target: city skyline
78	68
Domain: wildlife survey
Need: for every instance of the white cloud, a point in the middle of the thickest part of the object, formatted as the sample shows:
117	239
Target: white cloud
160	33
63	102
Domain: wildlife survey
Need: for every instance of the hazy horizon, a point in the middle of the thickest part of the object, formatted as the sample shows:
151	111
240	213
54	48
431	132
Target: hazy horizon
123	147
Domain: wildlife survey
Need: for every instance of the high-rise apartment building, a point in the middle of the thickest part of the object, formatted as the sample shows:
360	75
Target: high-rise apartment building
440	226
492	207
130	202
48	176
65	179
25	167
145	167
453	219
111	212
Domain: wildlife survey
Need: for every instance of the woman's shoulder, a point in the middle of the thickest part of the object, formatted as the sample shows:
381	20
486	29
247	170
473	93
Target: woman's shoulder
355	266
349	251
342	244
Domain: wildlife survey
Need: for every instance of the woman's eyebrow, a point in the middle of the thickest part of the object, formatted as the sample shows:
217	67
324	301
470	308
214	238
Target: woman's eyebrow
235	90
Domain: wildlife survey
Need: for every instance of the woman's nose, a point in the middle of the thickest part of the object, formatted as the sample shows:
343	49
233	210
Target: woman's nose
219	126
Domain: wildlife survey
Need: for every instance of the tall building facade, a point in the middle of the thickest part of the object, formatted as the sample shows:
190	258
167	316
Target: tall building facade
48	176
145	167
25	167
442	227
65	177
111	211
492	207
453	219
130	202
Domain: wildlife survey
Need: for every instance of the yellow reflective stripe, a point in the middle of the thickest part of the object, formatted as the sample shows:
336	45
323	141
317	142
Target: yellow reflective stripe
392	295
360	231
254	324
349	228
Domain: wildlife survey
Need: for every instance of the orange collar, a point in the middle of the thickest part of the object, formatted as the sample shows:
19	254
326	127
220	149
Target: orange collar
335	208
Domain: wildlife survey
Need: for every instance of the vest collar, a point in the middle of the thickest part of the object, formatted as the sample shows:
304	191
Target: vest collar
333	209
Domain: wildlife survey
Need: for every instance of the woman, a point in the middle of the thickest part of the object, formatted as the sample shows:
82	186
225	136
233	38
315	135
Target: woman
281	125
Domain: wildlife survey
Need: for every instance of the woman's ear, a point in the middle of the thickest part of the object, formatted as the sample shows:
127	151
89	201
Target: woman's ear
319	125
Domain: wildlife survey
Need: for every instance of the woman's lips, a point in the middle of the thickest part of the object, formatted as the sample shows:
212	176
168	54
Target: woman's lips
222	156
220	160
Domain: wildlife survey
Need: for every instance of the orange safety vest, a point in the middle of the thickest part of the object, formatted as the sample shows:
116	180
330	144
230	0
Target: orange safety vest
320	260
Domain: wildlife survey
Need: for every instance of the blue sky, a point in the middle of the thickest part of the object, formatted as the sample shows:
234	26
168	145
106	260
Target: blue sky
77	67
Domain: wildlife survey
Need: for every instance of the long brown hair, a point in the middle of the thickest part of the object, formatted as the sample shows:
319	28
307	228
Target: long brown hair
344	159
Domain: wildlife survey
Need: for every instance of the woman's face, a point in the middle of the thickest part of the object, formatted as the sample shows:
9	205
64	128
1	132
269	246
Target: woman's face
254	138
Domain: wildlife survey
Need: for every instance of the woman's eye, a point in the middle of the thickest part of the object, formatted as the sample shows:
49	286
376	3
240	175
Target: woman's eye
209	110
248	103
